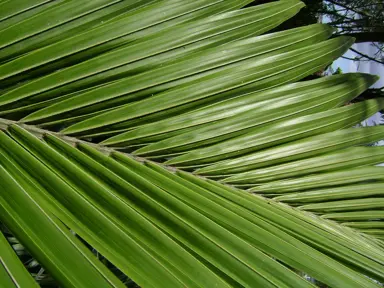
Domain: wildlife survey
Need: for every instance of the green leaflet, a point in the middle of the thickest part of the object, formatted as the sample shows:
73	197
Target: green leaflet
161	182
131	22
293	102
11	8
87	217
278	133
308	229
346	205
50	18
12	272
356	216
45	237
263	100
242	73
16	18
197	274
63	31
49	158
206	61
304	148
94	221
374	232
158	49
209	240
125	41
337	178
343	159
19	112
288	76
365	225
175	226
186	81
332	194
267	241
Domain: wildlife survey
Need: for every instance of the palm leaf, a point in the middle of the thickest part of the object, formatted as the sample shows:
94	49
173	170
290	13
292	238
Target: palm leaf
343	177
12	272
296	150
339	160
198	86
130	178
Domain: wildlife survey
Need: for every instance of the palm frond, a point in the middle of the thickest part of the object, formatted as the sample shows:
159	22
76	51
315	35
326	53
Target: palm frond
12	272
200	88
146	207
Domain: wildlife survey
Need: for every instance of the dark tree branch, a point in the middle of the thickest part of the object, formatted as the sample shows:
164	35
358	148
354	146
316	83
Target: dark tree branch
348	21
367	36
353	59
334	13
366	56
372	93
347	8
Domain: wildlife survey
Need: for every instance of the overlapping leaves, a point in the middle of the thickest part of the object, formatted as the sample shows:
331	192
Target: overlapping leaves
193	84
132	202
